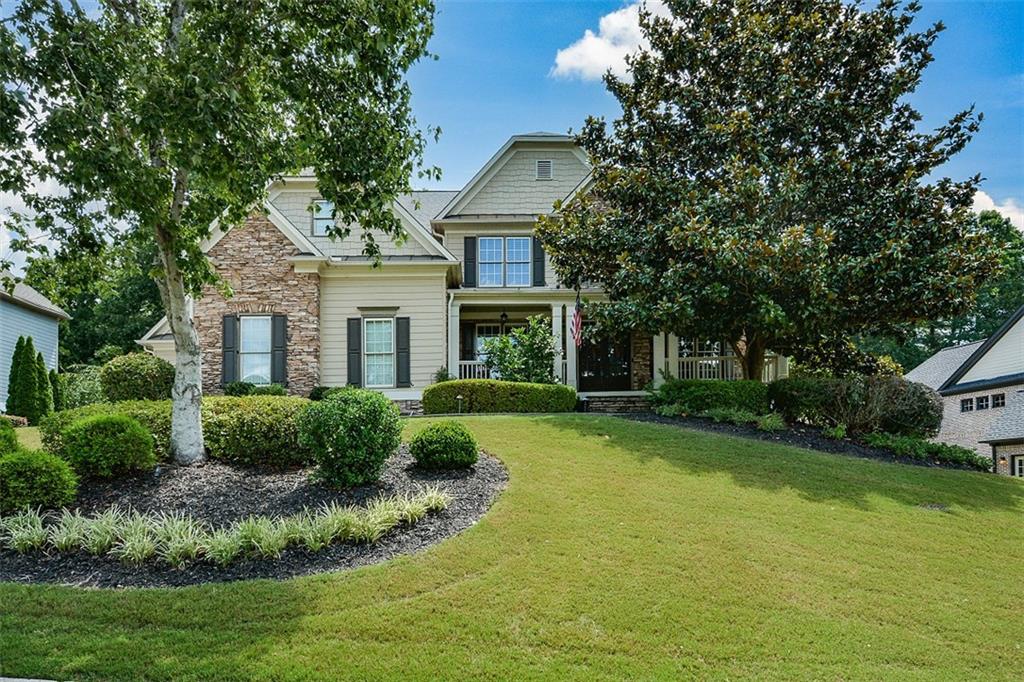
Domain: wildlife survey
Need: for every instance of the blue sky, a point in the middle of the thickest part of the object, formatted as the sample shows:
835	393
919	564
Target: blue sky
493	78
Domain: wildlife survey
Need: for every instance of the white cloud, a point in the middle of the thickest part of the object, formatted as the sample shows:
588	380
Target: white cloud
618	35
1009	208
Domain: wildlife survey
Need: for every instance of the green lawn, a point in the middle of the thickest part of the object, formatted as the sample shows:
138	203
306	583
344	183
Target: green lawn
618	550
28	436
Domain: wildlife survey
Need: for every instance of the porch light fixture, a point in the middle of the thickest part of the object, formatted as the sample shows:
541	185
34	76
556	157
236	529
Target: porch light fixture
1002	459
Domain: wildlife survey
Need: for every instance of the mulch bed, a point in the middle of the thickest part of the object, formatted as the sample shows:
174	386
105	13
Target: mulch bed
807	437
220	494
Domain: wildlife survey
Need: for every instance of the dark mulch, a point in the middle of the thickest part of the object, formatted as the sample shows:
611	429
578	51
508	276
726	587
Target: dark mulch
221	494
807	437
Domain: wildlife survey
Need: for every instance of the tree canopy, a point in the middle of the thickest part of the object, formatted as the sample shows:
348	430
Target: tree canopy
171	117
767	183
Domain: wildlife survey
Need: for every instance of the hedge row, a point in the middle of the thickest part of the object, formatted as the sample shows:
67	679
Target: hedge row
694	396
252	430
490	395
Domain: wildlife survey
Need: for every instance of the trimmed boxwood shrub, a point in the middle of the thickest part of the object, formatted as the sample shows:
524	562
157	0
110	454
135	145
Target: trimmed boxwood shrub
274	441
238	388
351	433
8	437
137	376
79	386
33	478
491	395
445	444
255	430
699	395
799	397
107	445
269	389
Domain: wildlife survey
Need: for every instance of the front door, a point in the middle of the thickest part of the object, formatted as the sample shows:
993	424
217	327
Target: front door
604	364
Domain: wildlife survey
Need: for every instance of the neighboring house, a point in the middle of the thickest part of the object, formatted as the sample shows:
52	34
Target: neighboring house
980	384
26	312
308	310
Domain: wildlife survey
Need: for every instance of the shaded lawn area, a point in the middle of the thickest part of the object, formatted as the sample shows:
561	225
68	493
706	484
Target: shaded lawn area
620	549
29	437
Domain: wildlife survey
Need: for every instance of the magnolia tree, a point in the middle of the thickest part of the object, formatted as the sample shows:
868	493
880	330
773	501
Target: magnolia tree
170	117
767	183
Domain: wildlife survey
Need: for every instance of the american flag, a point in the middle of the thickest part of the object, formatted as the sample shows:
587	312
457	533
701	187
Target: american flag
576	323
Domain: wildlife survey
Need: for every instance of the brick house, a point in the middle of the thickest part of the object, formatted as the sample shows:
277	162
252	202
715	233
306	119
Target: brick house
982	389
308	310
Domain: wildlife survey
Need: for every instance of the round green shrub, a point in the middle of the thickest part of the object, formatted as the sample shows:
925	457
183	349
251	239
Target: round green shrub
33	478
351	434
137	376
238	388
269	389
445	444
79	386
108	445
694	396
8	437
255	431
911	409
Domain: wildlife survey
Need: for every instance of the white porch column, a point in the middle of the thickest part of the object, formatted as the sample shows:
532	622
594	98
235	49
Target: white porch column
557	332
453	340
673	355
570	358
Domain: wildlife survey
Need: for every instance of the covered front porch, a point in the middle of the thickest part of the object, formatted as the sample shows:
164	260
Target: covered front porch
695	358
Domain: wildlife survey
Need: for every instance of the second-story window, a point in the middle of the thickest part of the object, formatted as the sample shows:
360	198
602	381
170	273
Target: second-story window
504	261
323	217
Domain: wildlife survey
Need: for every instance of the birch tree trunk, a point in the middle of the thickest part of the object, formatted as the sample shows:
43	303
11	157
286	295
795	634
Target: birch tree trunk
187	392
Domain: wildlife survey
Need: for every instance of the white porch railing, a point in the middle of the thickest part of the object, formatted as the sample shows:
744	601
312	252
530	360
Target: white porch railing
725	367
474	369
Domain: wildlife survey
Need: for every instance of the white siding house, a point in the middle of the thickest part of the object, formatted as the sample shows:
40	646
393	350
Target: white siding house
26	312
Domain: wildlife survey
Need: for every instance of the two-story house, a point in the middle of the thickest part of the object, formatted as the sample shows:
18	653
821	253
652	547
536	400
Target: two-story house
308	310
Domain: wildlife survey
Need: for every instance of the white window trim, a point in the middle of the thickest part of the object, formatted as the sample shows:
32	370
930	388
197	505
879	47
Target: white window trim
1002	397
967	405
316	204
270	347
1017	468
393	354
505	261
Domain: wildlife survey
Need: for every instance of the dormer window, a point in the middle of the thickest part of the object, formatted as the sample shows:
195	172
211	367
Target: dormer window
545	169
323	218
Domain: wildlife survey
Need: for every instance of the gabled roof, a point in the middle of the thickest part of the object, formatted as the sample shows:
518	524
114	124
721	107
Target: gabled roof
425	204
934	371
1009	426
499	159
979	353
25	296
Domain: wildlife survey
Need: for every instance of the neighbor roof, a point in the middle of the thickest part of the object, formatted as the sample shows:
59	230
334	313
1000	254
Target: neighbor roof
1009	426
27	297
979	353
934	371
430	201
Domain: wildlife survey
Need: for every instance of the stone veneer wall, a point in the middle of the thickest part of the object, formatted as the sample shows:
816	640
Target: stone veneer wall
641	346
968	428
253	258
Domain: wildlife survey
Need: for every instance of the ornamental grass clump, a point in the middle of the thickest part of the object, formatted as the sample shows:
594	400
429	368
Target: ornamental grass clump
68	533
222	546
136	539
101	531
24	531
181	538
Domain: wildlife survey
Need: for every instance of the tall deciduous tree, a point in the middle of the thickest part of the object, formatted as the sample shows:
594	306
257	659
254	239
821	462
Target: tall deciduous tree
767	183
170	115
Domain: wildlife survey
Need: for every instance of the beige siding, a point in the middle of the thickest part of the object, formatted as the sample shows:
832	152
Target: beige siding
968	428
295	204
515	189
1006	357
420	298
163	349
454	240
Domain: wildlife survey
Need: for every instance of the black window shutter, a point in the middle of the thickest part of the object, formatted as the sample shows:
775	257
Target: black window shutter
468	331
279	349
538	263
229	349
469	274
403	375
355	351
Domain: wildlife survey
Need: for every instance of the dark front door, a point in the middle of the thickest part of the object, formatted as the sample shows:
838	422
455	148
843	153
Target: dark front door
604	365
